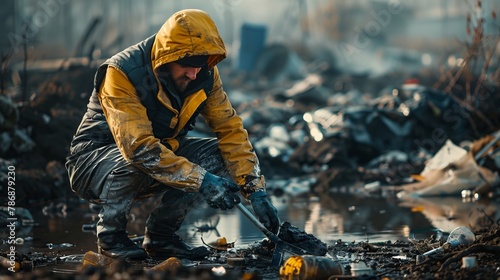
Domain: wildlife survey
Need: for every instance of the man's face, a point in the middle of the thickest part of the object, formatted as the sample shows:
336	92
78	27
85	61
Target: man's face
181	75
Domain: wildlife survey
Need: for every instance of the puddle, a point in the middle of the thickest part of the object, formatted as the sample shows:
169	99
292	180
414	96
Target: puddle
331	218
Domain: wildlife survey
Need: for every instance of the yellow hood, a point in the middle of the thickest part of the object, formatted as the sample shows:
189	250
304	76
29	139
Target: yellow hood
187	33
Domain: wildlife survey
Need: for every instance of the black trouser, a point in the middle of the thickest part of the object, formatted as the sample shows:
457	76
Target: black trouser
104	177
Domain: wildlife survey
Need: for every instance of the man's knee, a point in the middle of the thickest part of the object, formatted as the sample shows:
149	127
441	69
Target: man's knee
106	178
124	181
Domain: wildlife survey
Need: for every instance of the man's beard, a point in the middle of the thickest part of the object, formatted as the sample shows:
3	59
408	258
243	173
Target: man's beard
181	84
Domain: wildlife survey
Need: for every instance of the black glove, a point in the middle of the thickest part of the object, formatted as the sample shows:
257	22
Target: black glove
265	211
219	192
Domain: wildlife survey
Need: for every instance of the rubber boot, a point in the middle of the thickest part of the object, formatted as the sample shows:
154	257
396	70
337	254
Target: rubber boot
160	238
165	246
116	198
119	246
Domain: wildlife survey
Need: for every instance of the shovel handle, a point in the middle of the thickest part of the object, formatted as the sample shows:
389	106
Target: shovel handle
256	222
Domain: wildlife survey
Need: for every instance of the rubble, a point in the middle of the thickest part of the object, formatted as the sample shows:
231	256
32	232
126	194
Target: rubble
318	130
392	260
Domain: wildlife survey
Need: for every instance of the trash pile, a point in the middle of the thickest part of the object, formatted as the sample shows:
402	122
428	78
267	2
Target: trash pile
333	130
335	137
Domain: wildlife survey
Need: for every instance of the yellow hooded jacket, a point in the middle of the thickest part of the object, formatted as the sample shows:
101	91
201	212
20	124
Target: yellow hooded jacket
186	33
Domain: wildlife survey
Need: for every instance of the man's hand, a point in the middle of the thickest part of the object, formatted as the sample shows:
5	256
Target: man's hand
265	211
219	192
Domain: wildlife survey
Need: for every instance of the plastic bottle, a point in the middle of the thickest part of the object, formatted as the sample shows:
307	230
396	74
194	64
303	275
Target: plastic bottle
458	236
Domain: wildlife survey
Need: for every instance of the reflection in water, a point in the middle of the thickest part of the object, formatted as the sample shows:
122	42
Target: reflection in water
346	217
448	213
356	218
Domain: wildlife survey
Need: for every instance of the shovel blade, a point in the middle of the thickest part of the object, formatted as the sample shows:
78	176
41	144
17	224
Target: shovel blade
284	250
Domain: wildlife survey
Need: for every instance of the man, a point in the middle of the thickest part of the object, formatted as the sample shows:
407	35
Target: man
132	141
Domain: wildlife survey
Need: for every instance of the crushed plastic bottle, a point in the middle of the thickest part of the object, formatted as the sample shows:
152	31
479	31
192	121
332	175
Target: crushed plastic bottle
459	236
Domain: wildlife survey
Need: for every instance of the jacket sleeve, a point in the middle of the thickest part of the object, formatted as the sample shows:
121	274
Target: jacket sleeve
236	149
134	137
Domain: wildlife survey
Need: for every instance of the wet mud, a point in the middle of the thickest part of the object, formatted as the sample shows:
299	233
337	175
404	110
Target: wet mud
388	260
300	238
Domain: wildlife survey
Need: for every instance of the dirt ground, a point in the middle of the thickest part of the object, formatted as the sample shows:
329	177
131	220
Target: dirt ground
389	260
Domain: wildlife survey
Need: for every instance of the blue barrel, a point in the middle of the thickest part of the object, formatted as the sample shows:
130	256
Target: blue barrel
252	39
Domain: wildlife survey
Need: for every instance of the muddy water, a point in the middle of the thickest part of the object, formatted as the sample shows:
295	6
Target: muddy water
346	217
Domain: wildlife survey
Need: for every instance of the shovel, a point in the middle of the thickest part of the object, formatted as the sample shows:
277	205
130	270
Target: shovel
282	249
